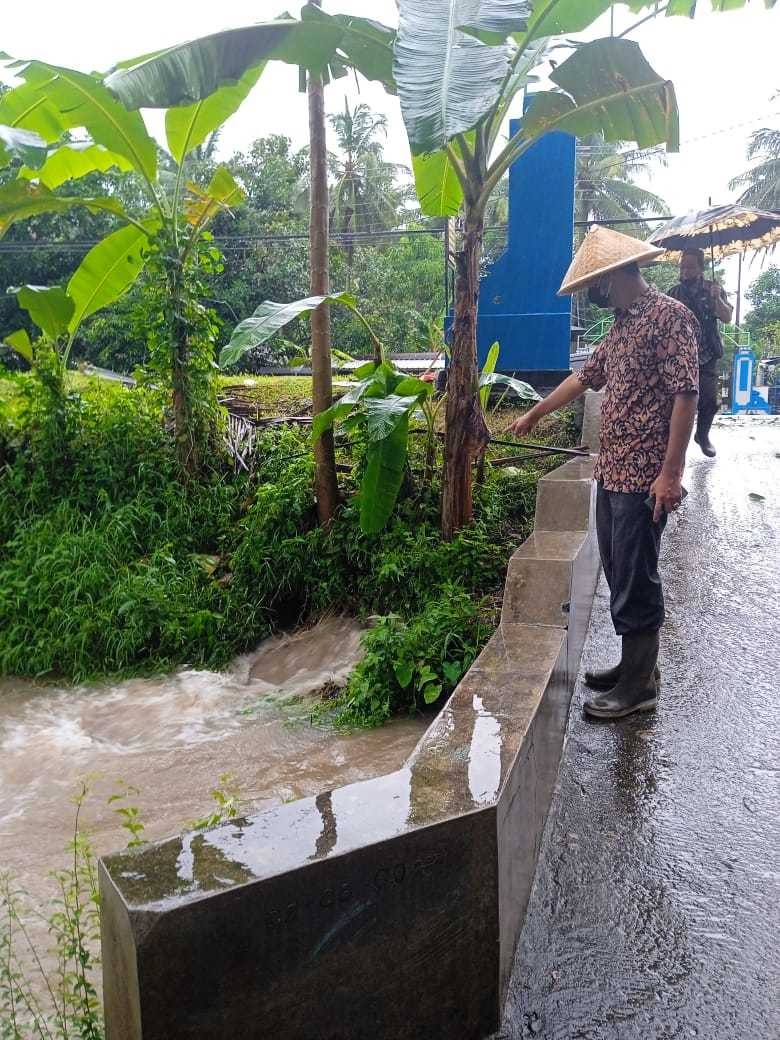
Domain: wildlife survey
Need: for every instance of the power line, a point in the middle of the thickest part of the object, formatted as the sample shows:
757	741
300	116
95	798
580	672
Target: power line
237	242
636	154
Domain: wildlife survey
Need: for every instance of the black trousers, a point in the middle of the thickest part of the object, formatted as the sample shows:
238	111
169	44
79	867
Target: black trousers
629	543
709	388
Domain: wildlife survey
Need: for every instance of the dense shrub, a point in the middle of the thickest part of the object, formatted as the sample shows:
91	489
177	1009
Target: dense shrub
410	664
111	565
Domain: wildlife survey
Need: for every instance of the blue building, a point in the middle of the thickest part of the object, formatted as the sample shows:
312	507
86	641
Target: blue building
518	302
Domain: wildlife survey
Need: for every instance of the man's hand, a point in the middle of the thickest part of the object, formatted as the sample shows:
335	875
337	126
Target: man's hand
668	494
720	303
522	426
567	391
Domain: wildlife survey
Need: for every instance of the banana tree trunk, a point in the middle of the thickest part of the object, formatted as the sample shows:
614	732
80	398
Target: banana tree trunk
325	480
466	431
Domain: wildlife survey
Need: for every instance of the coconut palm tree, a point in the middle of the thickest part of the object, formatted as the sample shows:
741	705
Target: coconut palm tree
761	183
605	190
365	195
606	187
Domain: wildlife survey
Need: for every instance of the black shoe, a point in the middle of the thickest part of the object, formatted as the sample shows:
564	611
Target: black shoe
606	679
617	704
636	689
706	445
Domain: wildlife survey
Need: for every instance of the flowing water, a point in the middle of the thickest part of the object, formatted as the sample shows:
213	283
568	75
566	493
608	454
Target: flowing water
172	738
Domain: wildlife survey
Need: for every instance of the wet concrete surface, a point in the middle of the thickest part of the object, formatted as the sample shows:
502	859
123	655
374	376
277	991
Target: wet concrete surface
426	869
656	907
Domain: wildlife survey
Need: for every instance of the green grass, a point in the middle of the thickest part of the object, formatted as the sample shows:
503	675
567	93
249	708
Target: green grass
276	395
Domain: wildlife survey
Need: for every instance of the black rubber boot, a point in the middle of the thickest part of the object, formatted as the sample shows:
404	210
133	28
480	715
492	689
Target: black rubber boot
608	677
702	435
636	689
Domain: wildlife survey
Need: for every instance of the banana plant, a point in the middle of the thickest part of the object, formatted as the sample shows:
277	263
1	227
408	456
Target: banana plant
458	67
458	73
49	103
488	378
381	404
197	74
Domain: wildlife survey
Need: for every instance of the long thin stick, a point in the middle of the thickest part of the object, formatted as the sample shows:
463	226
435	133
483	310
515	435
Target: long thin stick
582	452
511	460
548	449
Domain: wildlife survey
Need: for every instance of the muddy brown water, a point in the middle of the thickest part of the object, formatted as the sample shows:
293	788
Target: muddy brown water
172	738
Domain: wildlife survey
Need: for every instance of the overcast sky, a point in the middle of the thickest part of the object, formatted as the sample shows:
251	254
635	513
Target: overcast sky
724	67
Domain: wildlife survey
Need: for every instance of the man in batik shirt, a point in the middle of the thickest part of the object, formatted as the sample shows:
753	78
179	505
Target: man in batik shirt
708	302
648	367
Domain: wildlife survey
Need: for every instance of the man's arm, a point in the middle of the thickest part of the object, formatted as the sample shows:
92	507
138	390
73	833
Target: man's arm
667	486
567	391
722	307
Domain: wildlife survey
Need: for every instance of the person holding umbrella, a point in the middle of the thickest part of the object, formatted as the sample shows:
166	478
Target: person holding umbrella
648	367
722	231
707	300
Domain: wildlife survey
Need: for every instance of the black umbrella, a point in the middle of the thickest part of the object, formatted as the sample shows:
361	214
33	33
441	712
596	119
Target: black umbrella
723	230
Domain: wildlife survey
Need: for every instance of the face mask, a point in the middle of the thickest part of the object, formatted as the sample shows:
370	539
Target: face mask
597	296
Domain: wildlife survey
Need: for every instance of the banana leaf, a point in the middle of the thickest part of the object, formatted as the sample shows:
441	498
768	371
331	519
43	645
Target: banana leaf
50	307
80	100
21	199
269	318
523	390
73	161
25	145
385	463
385	413
497	19
610	89
189	126
222	193
487	370
19	341
191	72
107	271
340	410
24	106
447	79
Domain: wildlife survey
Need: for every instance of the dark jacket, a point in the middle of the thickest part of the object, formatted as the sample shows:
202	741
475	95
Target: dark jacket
698	299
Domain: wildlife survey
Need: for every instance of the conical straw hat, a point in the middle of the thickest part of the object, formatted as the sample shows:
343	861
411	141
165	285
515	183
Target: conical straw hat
604	250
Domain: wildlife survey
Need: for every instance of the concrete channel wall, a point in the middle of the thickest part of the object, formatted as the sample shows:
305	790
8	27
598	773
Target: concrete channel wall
388	909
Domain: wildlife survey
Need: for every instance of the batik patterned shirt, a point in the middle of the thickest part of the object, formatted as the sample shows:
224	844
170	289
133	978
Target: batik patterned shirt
650	354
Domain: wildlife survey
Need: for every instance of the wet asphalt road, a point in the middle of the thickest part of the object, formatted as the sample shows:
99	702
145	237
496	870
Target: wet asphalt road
656	909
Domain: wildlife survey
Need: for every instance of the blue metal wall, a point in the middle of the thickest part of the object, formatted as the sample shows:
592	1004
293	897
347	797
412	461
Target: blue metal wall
518	305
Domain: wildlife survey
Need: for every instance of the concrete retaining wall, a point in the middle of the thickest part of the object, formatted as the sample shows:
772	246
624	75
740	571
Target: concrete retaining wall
388	909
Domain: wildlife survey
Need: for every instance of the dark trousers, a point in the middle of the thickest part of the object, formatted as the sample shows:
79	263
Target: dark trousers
709	392
629	543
